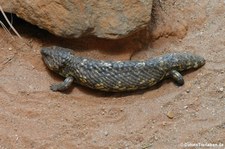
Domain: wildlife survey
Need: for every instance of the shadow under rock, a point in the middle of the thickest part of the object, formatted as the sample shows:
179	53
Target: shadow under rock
134	42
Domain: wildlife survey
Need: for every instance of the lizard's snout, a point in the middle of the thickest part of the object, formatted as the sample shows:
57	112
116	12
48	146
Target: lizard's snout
44	52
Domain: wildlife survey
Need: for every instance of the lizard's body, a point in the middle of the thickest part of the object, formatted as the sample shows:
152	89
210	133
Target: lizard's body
116	76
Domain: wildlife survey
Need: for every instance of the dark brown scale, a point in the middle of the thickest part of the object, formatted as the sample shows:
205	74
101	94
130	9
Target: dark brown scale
117	76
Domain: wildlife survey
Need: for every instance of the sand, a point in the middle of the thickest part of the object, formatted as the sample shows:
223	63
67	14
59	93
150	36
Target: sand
165	116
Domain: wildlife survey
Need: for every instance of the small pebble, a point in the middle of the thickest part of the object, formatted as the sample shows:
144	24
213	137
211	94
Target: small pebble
221	89
106	133
187	91
156	138
170	114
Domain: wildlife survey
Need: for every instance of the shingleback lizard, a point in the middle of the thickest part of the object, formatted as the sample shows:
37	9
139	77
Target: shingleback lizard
116	76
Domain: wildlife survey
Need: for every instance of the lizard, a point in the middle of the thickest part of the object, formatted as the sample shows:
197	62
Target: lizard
117	76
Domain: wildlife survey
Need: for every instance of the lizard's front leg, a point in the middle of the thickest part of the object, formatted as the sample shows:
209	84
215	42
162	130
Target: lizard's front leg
63	85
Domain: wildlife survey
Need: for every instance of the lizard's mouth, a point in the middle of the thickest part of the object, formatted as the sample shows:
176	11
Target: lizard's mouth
48	60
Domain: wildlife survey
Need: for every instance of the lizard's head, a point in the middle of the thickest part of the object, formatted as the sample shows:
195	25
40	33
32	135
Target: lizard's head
55	57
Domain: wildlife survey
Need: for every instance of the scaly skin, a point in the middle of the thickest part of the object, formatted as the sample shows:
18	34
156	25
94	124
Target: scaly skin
116	76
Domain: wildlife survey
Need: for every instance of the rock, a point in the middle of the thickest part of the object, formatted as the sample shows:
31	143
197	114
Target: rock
76	18
187	91
170	114
106	133
221	89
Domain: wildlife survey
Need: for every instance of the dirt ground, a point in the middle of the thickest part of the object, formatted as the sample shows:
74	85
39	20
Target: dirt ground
165	116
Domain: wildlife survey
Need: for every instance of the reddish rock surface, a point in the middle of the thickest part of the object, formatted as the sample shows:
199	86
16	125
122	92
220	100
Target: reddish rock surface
75	18
31	116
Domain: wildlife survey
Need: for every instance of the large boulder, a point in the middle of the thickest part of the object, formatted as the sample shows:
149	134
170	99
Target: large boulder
75	18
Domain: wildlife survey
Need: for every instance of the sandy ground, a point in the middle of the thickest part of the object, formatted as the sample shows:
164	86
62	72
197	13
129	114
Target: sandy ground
165	116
